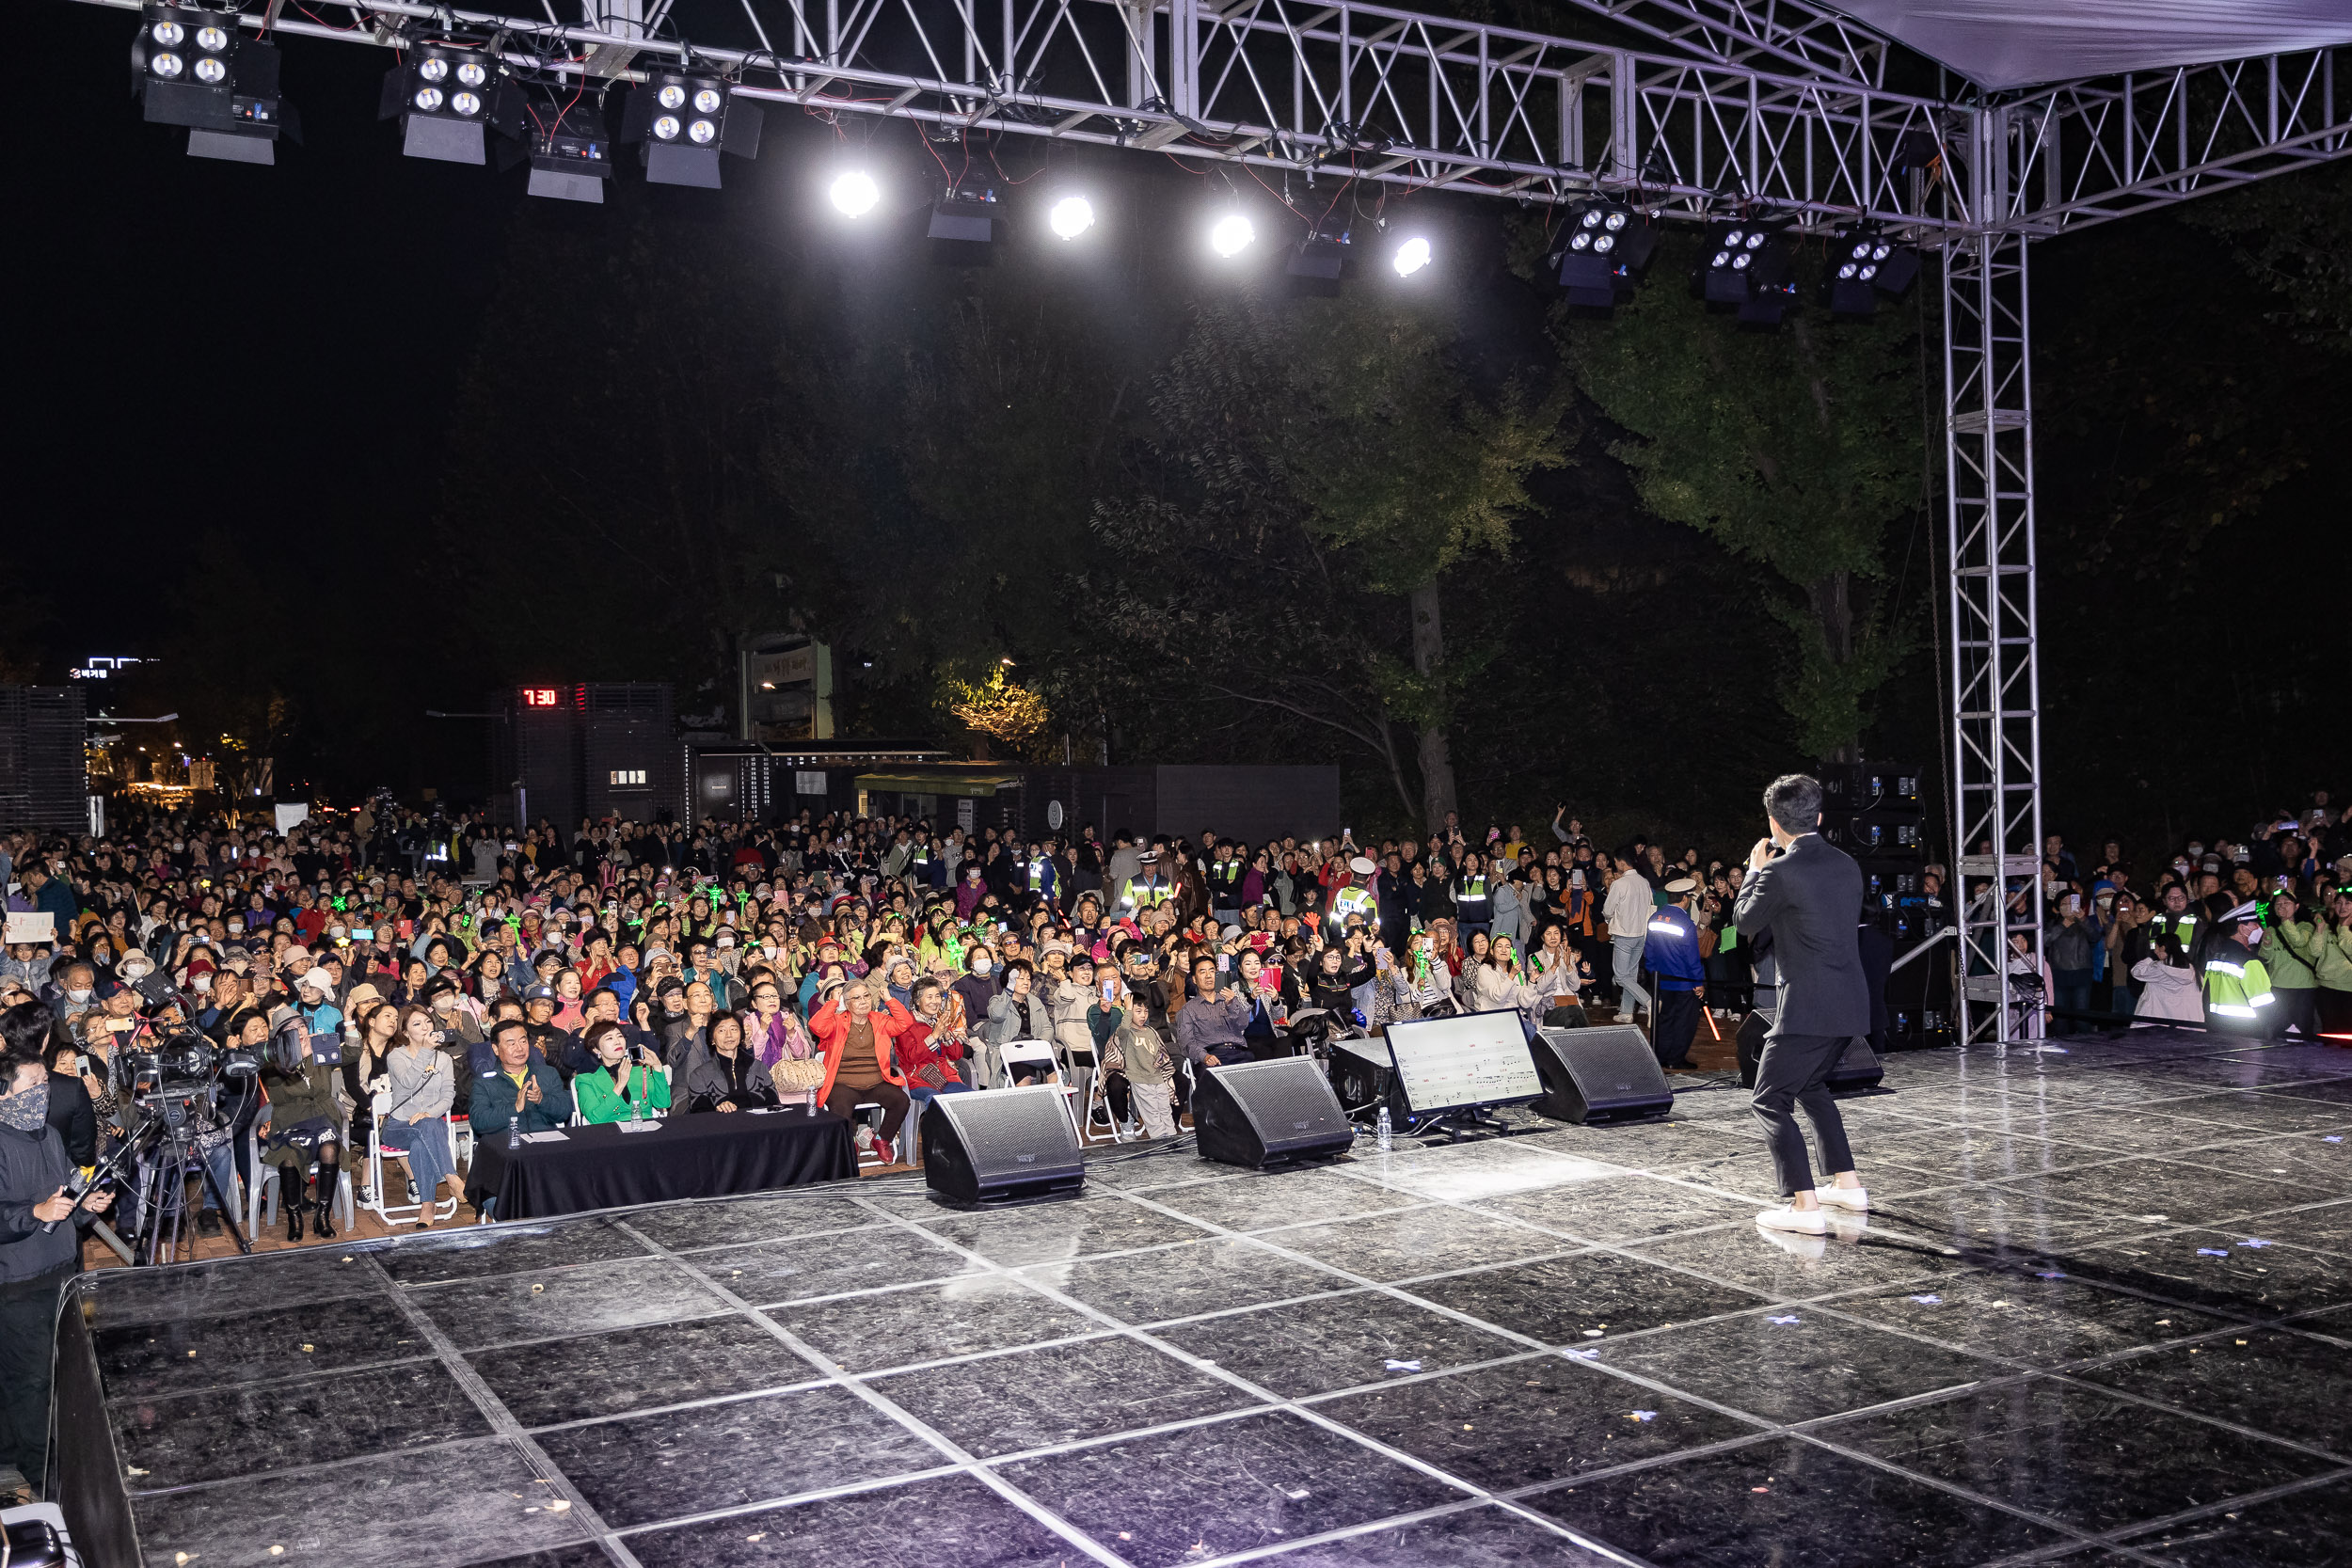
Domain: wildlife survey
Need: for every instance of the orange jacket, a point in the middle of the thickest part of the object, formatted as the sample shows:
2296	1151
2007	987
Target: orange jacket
830	1025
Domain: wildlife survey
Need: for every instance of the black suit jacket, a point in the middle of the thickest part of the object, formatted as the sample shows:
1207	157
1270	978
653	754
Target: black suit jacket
1808	897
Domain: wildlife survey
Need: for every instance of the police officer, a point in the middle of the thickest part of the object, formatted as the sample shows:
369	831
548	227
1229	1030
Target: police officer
1679	973
1356	897
2238	1000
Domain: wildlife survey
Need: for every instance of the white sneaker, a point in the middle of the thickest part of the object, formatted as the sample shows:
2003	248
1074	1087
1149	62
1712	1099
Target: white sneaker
1855	1198
1799	1222
865	1140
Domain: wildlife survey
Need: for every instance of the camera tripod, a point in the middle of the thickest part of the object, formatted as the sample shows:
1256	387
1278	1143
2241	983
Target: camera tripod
158	1155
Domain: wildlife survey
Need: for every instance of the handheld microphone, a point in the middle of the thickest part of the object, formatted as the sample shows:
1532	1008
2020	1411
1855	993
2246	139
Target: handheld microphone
76	1192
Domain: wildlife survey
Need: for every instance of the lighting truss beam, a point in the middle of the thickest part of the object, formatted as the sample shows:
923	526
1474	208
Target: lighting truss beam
1716	118
1995	681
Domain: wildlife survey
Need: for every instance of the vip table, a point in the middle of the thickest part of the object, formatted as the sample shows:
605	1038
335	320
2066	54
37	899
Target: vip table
609	1166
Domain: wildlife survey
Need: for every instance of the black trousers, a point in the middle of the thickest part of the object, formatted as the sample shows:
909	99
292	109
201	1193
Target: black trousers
1794	1072
2335	1011
844	1101
29	1338
2297	1009
1676	1027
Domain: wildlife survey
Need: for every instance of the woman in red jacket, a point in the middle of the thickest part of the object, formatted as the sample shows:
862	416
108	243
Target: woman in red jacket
856	1040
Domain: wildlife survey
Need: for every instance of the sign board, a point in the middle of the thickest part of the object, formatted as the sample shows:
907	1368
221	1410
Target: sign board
808	783
288	816
541	696
36	928
791	667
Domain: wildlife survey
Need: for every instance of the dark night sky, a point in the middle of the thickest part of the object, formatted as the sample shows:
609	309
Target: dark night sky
277	353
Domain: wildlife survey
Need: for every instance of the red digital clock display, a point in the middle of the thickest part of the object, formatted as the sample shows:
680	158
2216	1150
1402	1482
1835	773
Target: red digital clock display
539	696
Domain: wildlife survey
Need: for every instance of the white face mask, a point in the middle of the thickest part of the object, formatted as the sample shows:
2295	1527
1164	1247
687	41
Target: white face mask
78	997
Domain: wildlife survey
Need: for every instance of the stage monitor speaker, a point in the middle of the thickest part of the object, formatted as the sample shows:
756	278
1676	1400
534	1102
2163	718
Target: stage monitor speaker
1000	1146
1604	1073
1268	1113
1858	1068
1361	1072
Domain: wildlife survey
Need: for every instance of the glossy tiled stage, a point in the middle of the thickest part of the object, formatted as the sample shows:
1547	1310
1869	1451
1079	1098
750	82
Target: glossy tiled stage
2102	1315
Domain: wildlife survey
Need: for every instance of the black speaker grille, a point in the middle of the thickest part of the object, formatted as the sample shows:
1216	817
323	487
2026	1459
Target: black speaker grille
1013	1133
1284	1102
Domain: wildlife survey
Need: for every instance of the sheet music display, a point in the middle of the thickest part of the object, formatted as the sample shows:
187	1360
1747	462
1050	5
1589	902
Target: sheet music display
1471	1059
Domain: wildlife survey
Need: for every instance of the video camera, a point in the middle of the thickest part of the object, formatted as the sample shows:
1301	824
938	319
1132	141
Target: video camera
180	1059
185	1062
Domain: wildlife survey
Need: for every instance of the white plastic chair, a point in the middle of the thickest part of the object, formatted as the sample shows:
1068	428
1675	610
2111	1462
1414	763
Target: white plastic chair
261	1192
380	1205
1025	1053
902	1151
1098	1096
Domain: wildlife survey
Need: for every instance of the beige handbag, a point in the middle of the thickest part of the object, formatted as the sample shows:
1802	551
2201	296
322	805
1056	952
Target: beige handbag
797	1074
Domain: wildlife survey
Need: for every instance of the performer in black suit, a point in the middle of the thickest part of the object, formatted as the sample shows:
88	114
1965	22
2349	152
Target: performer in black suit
1805	891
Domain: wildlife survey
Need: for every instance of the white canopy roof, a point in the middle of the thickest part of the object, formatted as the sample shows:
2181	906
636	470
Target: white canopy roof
2015	44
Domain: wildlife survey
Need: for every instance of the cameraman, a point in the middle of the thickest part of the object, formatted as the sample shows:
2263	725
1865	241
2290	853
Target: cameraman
34	1265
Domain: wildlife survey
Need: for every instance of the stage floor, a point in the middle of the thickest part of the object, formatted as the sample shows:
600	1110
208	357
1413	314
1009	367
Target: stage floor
2102	1315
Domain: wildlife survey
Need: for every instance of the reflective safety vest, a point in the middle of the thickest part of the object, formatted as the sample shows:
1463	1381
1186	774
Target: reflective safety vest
1673	950
1351	900
2233	990
922	856
1473	891
1142	895
1037	875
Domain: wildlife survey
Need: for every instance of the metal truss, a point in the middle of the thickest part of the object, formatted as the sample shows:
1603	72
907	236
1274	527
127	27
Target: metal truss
1689	107
1995	679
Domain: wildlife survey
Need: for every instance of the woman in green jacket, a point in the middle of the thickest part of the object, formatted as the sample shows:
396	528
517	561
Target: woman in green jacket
619	1089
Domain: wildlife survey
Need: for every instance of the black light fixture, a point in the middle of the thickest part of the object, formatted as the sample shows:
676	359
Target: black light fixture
448	97
571	153
684	120
965	225
1746	268
1314	268
1608	246
190	68
1865	262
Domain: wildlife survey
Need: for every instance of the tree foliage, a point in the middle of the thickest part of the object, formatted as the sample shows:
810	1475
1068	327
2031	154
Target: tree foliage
1797	450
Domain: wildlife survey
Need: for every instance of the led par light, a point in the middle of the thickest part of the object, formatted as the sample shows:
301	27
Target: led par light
1608	246
447	97
1746	268
190	68
1864	263
683	122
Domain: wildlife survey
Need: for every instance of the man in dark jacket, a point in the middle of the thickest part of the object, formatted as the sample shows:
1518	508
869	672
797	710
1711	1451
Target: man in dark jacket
35	1264
1807	893
523	1093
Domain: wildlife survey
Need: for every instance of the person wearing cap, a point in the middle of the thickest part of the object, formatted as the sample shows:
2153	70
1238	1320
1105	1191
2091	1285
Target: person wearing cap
2238	998
1356	896
1679	972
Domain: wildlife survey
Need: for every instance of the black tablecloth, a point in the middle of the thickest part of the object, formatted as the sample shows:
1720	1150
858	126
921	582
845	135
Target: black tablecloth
709	1155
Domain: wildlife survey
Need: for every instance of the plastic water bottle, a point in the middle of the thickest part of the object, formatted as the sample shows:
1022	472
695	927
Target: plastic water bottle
1383	1133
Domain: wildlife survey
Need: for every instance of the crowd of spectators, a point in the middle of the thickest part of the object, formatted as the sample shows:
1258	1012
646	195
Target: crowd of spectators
402	976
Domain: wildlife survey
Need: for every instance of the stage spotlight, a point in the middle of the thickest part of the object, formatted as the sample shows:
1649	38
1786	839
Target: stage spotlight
1608	246
1410	257
1865	262
684	122
190	68
854	193
1232	234
1071	216
571	153
447	97
1746	269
